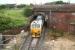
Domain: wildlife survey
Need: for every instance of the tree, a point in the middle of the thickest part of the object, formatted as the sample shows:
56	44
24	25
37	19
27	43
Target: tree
21	6
60	2
2	6
27	11
56	2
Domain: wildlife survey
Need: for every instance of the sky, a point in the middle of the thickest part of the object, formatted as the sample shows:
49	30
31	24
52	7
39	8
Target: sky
30	1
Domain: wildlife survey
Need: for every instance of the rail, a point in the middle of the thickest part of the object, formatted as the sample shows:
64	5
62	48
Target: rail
23	40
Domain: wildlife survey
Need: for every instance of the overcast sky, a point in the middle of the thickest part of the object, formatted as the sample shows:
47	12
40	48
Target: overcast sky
30	1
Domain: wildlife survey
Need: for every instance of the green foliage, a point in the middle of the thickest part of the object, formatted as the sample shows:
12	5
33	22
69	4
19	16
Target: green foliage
60	2
11	18
6	6
27	11
17	16
2	6
4	23
21	6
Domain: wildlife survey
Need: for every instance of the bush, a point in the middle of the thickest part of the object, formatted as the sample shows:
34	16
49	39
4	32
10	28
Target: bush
11	18
4	23
2	6
27	11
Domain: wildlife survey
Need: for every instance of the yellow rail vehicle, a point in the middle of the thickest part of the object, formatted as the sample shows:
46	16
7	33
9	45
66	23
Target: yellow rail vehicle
36	32
36	27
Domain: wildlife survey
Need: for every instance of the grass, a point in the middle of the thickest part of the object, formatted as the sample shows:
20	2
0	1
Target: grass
11	18
16	16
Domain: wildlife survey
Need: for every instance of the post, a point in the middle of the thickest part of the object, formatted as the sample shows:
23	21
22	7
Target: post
49	18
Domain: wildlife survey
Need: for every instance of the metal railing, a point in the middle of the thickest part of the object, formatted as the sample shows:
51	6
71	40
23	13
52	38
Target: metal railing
12	42
7	42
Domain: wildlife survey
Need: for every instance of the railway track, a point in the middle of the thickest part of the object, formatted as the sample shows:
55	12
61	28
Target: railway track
33	43
41	40
26	43
37	42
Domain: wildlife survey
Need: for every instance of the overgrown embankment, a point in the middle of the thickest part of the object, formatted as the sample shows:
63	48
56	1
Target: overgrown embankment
12	18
